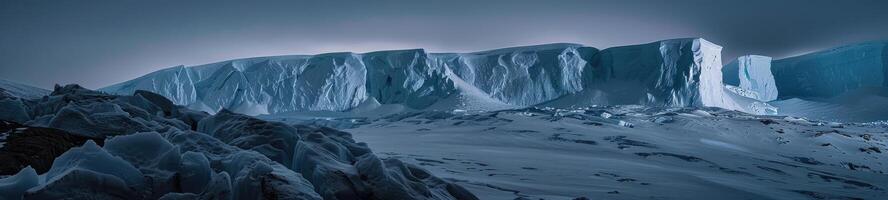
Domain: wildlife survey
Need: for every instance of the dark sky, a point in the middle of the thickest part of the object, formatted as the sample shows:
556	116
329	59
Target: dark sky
98	43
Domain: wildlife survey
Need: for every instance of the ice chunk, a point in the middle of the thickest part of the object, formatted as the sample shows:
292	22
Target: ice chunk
77	173
91	157
273	139
180	196
339	168
97	119
146	150
13	110
252	172
13	187
195	172
153	156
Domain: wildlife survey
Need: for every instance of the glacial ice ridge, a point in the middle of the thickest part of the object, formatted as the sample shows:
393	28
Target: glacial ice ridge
679	72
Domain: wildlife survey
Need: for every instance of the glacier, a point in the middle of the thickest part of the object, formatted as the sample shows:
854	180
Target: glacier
18	90
832	72
846	83
678	72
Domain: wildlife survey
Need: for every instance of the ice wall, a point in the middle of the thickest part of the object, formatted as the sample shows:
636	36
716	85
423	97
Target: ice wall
680	72
522	76
832	72
751	76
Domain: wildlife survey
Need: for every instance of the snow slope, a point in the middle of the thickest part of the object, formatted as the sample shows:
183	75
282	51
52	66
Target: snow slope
18	90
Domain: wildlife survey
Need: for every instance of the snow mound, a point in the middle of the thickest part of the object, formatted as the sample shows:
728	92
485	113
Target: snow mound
336	166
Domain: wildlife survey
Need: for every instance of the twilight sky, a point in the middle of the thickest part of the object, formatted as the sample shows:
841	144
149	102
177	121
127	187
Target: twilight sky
97	43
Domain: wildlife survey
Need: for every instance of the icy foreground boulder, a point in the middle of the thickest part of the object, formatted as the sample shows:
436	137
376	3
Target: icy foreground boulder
336	166
680	72
751	76
14	187
152	151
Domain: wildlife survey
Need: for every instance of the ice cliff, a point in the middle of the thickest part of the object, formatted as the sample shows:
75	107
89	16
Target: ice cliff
832	72
680	72
846	83
751	77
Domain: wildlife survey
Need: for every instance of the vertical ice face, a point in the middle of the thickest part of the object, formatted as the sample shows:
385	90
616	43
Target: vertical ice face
707	56
175	83
830	73
680	72
751	76
521	76
405	77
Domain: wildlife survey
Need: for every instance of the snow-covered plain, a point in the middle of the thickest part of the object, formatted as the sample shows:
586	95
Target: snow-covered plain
633	152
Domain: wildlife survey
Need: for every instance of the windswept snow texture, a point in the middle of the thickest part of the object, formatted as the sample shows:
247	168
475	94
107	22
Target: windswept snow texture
636	152
680	72
153	149
751	76
833	72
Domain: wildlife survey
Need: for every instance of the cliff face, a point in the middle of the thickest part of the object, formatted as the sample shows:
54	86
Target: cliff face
680	72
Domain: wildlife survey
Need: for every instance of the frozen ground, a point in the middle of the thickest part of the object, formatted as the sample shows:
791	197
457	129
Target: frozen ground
633	152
